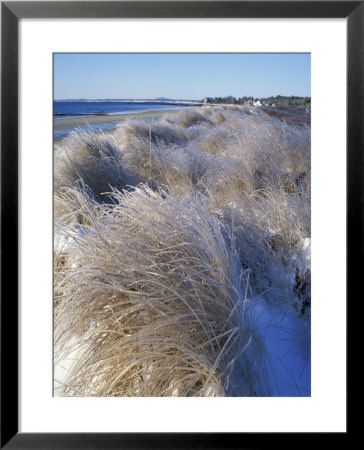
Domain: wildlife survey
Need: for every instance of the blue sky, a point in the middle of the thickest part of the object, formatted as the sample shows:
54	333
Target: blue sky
180	76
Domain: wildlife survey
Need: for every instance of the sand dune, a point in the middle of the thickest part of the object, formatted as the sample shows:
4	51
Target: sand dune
182	255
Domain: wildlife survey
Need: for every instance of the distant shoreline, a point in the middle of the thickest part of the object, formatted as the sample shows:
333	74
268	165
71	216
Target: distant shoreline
82	121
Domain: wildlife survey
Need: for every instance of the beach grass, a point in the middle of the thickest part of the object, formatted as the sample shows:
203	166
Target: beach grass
173	238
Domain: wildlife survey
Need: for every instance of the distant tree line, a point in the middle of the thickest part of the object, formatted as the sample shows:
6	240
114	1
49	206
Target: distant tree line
283	100
277	100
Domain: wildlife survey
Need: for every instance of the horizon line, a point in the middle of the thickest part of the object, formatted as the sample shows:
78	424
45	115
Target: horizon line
180	99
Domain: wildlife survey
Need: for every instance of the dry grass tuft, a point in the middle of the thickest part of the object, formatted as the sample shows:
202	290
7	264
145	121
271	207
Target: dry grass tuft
155	297
90	159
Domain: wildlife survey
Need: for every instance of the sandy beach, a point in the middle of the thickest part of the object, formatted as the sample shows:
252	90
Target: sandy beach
69	123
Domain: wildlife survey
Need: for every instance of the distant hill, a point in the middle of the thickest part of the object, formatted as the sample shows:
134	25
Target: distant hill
163	99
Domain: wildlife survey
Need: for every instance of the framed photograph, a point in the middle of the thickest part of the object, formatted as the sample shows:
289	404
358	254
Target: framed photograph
167	171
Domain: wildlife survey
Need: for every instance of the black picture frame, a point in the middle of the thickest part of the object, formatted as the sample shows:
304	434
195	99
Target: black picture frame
11	12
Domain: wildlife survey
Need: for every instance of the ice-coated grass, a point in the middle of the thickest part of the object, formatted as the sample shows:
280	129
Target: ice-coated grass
174	238
155	294
91	159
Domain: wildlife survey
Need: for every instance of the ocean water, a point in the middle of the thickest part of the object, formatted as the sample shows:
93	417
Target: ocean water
69	109
84	109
